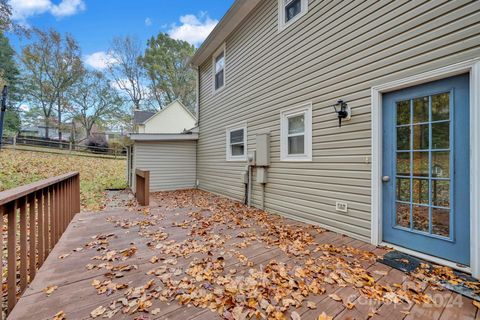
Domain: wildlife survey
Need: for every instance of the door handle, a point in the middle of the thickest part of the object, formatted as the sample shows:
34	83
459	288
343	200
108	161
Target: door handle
385	178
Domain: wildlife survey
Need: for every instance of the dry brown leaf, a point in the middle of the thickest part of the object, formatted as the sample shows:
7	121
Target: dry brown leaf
311	305
324	316
59	316
349	305
98	312
155	311
50	289
154	259
335	297
295	316
476	304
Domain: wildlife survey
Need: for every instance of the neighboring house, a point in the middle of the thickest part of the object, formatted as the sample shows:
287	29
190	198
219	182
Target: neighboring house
165	144
174	118
139	117
41	132
409	71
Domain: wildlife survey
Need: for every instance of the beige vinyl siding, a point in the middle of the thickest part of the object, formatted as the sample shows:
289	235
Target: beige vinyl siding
171	163
338	50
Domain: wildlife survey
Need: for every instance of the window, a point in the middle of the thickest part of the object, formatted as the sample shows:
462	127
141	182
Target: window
296	134
219	69
290	11
237	144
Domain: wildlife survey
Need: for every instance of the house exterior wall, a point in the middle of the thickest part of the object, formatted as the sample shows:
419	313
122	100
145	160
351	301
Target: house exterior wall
171	163
173	119
338	50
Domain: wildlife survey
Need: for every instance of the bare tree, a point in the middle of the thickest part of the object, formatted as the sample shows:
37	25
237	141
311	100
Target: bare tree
92	100
52	64
126	70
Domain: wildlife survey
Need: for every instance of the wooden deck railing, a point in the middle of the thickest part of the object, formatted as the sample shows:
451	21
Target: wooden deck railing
142	187
37	216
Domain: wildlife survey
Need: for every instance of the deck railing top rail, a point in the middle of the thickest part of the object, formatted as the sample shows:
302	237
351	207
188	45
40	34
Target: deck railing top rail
36	215
22	191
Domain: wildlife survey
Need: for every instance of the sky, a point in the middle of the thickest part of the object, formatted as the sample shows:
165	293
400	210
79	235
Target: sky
94	23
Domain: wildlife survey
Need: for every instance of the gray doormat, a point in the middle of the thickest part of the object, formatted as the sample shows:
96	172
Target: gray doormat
450	279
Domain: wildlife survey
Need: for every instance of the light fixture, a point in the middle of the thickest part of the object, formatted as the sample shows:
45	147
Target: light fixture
343	111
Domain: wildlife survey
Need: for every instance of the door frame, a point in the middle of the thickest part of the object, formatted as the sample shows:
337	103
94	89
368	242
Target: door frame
473	68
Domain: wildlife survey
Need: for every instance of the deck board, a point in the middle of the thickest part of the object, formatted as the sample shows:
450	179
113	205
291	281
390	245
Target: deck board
77	297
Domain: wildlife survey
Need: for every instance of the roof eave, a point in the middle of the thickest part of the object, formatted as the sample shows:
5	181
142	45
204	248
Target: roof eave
239	10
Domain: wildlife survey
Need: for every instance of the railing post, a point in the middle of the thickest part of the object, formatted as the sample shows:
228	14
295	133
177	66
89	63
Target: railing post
33	237
23	245
41	228
12	252
2	216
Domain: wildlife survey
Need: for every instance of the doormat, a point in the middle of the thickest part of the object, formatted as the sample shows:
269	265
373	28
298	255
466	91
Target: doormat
450	279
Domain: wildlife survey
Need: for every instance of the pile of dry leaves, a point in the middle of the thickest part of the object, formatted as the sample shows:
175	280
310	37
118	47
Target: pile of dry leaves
209	268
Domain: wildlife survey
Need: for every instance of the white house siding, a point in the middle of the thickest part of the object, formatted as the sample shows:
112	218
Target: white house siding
340	49
171	163
173	119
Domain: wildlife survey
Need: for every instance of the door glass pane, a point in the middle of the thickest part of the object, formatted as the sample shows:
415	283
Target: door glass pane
296	124
420	217
403	215
441	222
441	164
403	163
441	193
420	137
296	145
420	110
420	191
441	135
403	112
420	164
403	189
403	138
441	106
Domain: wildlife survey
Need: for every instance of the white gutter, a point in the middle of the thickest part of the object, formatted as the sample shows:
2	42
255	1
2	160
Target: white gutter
162	136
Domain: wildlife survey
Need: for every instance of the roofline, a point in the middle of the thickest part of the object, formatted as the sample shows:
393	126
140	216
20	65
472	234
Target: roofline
239	10
163	136
165	108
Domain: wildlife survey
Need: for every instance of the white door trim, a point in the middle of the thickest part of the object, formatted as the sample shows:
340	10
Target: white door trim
473	67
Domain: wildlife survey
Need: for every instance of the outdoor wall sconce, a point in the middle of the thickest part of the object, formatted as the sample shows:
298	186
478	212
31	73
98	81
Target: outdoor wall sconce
343	111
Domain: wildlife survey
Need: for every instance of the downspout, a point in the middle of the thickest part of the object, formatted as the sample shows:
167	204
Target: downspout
197	109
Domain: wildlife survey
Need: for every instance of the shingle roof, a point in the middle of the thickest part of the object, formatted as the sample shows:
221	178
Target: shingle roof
140	117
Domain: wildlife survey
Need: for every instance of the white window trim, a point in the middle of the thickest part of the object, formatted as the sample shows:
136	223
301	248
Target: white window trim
306	109
473	67
214	56
282	25
229	156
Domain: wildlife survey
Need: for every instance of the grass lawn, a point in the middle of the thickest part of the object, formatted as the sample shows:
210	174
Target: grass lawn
18	168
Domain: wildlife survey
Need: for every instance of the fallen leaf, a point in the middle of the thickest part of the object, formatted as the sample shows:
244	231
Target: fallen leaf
324	316
98	311
49	290
311	305
63	256
335	297
476	303
154	259
295	316
59	316
349	305
155	311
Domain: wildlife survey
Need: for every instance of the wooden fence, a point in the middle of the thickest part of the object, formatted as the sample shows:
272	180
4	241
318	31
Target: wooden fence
37	216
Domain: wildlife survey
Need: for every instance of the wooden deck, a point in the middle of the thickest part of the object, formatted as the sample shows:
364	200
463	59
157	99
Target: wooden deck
174	218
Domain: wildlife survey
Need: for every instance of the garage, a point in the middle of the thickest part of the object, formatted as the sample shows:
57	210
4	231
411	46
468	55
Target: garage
170	159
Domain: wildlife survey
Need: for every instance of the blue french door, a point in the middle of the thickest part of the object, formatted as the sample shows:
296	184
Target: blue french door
426	176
